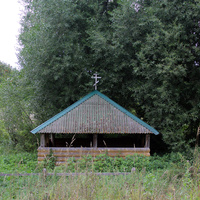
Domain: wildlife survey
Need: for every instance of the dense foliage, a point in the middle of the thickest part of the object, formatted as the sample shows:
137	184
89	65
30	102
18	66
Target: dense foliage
56	53
147	53
15	162
163	37
5	70
15	120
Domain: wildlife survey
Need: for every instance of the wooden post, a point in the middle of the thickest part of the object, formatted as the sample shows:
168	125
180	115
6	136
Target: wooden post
42	140
95	140
147	142
52	138
197	137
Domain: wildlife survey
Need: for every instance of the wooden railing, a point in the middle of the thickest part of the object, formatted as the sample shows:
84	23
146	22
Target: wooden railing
63	153
69	174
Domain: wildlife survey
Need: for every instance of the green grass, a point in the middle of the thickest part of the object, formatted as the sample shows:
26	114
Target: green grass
138	185
168	177
27	163
18	162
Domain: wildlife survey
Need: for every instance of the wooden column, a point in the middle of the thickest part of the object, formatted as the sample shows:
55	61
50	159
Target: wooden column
95	140
52	139
147	142
197	137
42	140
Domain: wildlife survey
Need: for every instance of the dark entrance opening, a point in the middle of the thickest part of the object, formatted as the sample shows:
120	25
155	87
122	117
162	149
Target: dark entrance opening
103	140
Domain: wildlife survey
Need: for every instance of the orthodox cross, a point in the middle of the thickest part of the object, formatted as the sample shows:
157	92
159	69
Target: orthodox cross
95	76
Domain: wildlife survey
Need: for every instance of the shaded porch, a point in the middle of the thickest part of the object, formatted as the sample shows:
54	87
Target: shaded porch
77	146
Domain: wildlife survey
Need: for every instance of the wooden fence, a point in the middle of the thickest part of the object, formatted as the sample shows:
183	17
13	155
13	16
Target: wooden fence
69	174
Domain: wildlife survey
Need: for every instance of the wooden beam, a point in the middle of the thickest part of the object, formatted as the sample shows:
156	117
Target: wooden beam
42	140
147	142
197	137
95	140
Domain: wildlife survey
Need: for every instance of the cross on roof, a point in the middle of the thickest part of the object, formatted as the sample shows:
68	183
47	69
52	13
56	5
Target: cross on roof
95	76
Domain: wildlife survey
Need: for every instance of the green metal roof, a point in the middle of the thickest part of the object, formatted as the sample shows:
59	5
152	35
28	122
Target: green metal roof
94	113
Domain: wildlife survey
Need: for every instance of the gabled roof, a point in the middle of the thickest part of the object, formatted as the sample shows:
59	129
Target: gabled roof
95	113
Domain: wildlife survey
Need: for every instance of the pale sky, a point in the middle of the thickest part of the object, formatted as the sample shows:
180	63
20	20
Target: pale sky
9	30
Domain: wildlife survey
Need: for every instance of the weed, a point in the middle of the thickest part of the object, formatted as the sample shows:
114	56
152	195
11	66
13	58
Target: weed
50	160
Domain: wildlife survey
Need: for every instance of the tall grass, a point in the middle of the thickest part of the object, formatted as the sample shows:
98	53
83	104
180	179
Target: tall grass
168	177
137	185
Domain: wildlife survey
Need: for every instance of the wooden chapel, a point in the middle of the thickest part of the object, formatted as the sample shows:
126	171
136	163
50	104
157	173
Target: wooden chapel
93	125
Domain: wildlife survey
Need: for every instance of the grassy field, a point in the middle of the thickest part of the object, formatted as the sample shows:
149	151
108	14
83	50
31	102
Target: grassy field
167	177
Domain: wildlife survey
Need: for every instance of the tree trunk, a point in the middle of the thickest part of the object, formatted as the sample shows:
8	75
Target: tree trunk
197	137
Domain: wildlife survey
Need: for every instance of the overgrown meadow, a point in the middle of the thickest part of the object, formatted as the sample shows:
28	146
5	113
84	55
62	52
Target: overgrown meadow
171	176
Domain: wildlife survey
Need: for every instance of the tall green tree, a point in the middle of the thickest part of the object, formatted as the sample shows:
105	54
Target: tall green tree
146	51
5	71
160	42
15	119
55	53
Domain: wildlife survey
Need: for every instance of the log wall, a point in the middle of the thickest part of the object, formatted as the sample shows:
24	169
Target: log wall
62	154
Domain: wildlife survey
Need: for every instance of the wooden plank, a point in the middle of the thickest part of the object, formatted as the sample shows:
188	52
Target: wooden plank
26	174
91	152
65	149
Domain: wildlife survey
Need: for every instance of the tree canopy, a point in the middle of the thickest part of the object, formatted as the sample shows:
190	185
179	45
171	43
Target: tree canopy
15	109
147	53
